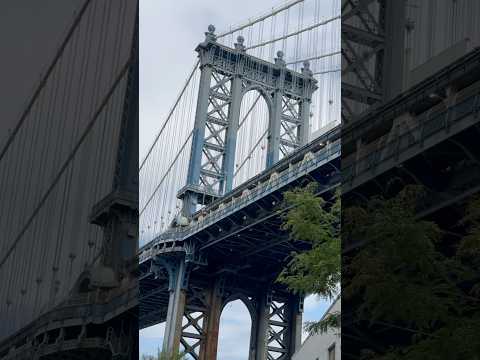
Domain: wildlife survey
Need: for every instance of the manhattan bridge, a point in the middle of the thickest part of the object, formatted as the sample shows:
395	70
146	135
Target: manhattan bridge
259	114
211	200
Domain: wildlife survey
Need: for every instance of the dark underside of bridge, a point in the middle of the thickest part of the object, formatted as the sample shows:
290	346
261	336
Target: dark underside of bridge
248	248
450	174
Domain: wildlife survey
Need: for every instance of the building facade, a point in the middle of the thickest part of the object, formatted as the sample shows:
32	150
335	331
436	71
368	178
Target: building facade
326	346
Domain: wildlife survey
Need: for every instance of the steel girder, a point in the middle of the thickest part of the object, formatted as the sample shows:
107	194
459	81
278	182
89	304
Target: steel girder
363	48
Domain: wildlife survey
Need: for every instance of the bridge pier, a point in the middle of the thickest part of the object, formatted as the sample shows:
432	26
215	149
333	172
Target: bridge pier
176	307
209	347
258	339
194	310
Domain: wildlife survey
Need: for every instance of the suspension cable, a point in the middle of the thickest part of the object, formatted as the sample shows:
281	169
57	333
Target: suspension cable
68	160
251	152
43	82
167	172
261	18
294	33
195	67
314	58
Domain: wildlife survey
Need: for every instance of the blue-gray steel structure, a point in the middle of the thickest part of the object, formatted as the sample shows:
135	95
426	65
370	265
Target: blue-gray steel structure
234	246
184	272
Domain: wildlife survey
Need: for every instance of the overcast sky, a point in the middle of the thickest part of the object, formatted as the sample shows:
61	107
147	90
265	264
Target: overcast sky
169	32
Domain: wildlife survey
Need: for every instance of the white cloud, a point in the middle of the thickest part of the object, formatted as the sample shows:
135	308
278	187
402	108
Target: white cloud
155	331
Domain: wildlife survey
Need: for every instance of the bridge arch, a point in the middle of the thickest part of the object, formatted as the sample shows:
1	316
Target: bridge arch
251	145
236	327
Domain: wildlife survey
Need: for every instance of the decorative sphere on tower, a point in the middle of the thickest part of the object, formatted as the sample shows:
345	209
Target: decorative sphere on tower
306	69
239	44
279	59
209	35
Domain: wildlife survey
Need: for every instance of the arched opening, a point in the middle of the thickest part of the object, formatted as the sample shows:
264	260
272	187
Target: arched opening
251	149
235	331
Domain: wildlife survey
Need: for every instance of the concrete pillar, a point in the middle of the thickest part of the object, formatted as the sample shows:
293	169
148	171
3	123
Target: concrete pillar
209	347
176	309
231	135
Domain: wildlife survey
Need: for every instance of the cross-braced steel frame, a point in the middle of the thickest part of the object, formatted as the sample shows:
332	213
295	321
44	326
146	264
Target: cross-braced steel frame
373	33
227	74
194	308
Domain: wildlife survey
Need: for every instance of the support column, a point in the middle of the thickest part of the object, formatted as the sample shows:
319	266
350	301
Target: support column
296	314
193	176
304	126
176	309
231	136
273	148
258	339
208	350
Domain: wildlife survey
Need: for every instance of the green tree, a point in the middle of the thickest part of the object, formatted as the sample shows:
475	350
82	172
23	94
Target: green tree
407	278
318	271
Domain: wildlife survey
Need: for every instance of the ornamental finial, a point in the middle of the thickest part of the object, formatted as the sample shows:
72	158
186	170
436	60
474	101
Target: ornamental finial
279	59
306	69
210	34
239	44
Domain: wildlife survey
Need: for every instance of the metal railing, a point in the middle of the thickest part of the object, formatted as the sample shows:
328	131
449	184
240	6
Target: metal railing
294	171
428	124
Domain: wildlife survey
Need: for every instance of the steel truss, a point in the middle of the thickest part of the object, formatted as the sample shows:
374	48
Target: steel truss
363	51
195	307
226	76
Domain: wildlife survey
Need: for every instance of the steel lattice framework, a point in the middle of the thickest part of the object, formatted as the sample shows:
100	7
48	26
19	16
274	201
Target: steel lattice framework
372	54
226	76
363	46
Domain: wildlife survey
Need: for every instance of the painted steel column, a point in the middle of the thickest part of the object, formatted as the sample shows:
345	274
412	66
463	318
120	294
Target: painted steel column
304	128
259	335
208	349
273	147
232	131
309	87
198	137
295	326
176	309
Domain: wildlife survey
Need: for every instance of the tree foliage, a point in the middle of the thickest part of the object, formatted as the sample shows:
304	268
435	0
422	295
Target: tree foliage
163	355
405	272
310	218
406	277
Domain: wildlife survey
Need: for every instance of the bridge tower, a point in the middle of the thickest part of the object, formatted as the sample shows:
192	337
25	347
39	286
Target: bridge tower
373	58
226	76
194	307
